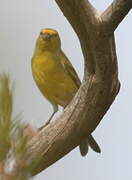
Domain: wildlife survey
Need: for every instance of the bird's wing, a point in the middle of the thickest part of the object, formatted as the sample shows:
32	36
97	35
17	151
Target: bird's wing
69	69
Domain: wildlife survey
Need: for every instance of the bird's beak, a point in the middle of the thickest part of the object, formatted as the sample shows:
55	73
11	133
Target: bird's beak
46	36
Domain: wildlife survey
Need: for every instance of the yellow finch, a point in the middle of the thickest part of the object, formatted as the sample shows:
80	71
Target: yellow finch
55	76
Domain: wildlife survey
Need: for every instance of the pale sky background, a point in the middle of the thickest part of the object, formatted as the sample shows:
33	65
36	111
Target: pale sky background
21	21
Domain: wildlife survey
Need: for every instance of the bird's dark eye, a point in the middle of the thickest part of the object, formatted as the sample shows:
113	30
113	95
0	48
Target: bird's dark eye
41	33
54	35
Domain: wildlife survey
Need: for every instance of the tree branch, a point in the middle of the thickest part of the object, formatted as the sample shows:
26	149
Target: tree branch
114	14
82	17
87	108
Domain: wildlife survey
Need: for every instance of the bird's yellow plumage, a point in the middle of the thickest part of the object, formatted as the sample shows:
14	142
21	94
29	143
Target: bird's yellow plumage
55	76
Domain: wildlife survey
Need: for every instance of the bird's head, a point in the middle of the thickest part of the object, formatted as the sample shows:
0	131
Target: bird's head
48	40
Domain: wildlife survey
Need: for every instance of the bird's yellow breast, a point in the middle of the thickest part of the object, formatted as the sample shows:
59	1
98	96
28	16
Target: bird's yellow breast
54	83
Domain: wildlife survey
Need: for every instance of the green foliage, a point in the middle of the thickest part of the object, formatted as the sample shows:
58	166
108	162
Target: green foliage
5	116
14	163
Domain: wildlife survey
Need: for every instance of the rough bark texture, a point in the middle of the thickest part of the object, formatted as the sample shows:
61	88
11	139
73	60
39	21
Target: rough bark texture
100	85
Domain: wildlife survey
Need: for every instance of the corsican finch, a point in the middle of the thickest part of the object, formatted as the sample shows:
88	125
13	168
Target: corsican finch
56	78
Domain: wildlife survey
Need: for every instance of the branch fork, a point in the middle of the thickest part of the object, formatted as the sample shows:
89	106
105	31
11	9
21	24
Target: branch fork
99	87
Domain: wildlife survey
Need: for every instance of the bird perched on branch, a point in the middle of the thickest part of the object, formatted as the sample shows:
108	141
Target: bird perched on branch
56	78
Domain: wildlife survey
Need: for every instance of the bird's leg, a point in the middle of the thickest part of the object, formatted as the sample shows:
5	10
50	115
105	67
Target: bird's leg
64	107
55	109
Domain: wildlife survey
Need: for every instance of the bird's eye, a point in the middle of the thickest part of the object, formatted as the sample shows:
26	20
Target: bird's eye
41	33
54	35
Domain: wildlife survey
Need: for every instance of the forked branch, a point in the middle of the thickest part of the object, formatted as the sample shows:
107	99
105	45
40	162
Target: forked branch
86	110
114	14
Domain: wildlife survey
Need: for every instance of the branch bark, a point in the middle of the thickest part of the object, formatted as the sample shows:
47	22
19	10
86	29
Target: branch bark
100	85
115	13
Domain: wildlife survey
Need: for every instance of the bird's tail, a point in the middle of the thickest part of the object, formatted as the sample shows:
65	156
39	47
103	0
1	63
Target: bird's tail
89	141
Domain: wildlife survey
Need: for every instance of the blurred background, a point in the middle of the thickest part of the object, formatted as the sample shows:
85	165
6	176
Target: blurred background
21	21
